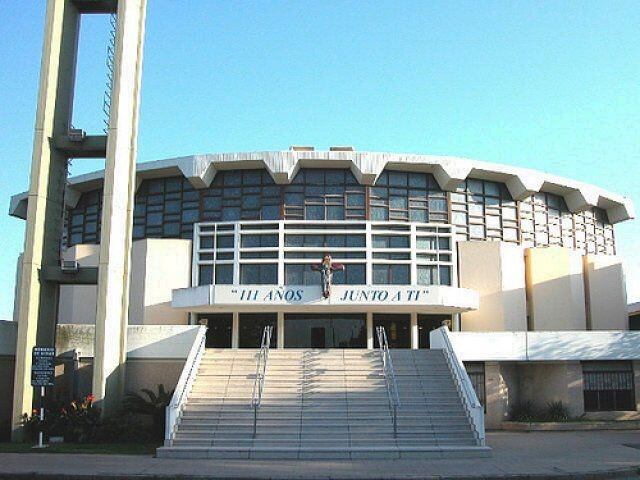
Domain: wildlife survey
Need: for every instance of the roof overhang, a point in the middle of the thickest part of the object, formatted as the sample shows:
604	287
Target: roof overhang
449	172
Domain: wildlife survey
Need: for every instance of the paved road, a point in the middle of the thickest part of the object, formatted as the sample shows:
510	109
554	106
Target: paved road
514	453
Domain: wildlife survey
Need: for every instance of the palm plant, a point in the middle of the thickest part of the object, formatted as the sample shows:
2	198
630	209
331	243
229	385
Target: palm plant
151	403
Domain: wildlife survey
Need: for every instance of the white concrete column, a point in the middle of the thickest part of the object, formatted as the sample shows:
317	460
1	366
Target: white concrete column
369	255
235	330
414	331
236	254
37	301
281	272
280	329
370	332
456	322
413	255
117	209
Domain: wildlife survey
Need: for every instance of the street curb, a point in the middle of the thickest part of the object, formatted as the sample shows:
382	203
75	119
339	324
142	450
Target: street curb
594	475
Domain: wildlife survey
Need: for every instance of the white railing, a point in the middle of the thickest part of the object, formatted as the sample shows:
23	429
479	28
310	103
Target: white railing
475	411
261	372
173	411
389	377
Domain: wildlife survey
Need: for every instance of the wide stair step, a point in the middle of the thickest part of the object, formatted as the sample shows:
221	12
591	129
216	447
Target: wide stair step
323	404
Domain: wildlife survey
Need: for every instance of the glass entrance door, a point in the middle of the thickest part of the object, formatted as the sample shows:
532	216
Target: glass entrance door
397	327
334	330
219	329
252	326
426	323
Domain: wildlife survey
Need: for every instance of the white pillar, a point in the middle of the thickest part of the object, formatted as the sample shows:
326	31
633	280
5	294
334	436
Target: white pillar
235	330
117	208
370	332
280	330
414	331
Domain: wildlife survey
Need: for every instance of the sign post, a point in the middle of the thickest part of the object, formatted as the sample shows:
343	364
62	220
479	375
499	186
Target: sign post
42	375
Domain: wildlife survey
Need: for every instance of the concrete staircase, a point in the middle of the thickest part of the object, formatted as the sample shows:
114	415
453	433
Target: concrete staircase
323	404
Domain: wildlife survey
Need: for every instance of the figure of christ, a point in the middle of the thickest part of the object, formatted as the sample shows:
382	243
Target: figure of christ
326	269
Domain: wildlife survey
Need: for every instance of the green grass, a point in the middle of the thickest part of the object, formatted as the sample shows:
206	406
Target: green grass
99	448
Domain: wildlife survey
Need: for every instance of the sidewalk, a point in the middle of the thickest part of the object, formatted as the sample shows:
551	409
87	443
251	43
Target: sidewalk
515	454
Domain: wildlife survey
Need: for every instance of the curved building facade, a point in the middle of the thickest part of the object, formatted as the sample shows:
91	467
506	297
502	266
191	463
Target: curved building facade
507	258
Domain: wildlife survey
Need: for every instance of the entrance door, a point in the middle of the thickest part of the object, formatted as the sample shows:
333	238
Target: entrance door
318	337
252	326
426	323
319	330
397	326
219	329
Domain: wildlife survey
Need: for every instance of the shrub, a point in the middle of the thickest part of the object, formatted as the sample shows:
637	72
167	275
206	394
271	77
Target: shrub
152	404
73	421
123	427
556	412
79	421
523	412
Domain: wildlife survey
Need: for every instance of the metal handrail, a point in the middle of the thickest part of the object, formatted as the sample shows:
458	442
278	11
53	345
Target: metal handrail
261	371
183	388
389	376
474	408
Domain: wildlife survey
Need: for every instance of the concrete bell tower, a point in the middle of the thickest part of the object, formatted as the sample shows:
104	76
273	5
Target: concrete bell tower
55	142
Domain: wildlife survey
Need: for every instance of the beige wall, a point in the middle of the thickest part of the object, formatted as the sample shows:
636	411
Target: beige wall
507	384
7	364
139	374
496	271
606	293
157	267
501	392
544	382
78	302
555	289
150	373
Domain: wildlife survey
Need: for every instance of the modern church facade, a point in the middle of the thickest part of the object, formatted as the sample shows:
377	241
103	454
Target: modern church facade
325	247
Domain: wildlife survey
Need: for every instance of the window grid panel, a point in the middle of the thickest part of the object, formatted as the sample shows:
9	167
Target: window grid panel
480	209
256	244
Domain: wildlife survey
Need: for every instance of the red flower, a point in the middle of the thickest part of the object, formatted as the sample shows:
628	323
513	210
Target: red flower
90	398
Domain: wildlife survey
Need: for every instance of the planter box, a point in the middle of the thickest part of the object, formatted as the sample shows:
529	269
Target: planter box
571	426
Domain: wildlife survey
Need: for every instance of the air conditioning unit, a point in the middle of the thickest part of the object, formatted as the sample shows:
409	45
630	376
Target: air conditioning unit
302	148
69	266
342	148
76	135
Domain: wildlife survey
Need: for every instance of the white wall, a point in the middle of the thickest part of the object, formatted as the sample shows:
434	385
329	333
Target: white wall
143	341
78	302
158	266
555	289
496	271
606	292
546	346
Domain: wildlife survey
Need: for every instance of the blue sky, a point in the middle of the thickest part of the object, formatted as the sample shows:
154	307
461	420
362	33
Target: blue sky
547	85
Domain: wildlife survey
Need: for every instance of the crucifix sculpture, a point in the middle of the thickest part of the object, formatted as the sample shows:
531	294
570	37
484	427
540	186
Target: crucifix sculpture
326	269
